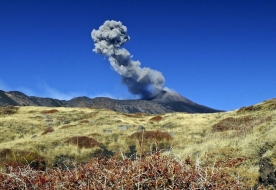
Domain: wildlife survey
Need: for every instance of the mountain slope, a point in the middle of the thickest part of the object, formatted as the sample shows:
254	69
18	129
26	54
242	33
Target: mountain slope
179	103
164	102
6	100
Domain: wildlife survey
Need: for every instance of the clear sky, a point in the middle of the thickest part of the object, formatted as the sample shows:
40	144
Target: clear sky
219	53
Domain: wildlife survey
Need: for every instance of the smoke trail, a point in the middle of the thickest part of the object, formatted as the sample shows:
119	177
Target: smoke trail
108	40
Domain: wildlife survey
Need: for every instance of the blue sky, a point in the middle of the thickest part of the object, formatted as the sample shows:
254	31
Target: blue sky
221	54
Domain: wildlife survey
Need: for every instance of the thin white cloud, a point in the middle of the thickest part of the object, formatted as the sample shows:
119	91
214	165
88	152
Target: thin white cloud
26	91
4	86
50	92
47	91
44	90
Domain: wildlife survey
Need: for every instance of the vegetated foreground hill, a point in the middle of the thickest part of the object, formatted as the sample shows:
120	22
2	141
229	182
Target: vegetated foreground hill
165	102
221	150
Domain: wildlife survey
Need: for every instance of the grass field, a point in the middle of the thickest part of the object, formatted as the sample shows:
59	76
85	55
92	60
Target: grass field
243	141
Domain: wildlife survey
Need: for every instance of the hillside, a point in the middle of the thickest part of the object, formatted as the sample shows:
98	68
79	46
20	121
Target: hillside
241	141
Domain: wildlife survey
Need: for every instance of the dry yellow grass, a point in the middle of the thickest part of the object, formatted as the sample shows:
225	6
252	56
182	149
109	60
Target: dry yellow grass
192	134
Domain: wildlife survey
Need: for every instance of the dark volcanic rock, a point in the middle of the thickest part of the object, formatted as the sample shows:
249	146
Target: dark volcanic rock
20	98
6	100
48	102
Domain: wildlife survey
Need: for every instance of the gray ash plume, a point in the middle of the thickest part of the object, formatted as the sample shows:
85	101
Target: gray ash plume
108	41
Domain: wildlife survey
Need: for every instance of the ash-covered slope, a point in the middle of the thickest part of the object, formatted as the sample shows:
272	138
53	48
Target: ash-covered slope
178	103
164	102
125	106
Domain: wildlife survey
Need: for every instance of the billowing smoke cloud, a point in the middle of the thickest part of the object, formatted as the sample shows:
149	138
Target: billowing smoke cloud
108	40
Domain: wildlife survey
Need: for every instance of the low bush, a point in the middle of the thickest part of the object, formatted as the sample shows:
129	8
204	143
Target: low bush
136	115
152	172
246	109
83	121
49	111
152	135
48	130
241	123
83	141
8	110
156	118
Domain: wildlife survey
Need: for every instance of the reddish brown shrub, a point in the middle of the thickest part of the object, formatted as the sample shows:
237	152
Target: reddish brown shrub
48	130
156	118
152	135
230	162
153	172
266	105
246	109
83	141
136	115
49	111
83	121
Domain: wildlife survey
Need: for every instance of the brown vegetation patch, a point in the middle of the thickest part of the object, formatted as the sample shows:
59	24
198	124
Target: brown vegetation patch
83	121
4	153
67	126
83	141
48	130
246	109
152	135
242	124
268	105
136	115
156	118
49	111
8	110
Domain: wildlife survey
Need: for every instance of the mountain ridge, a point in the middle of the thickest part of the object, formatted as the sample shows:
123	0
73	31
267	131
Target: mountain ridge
164	102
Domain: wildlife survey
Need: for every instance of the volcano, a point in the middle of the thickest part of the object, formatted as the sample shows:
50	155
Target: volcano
164	102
